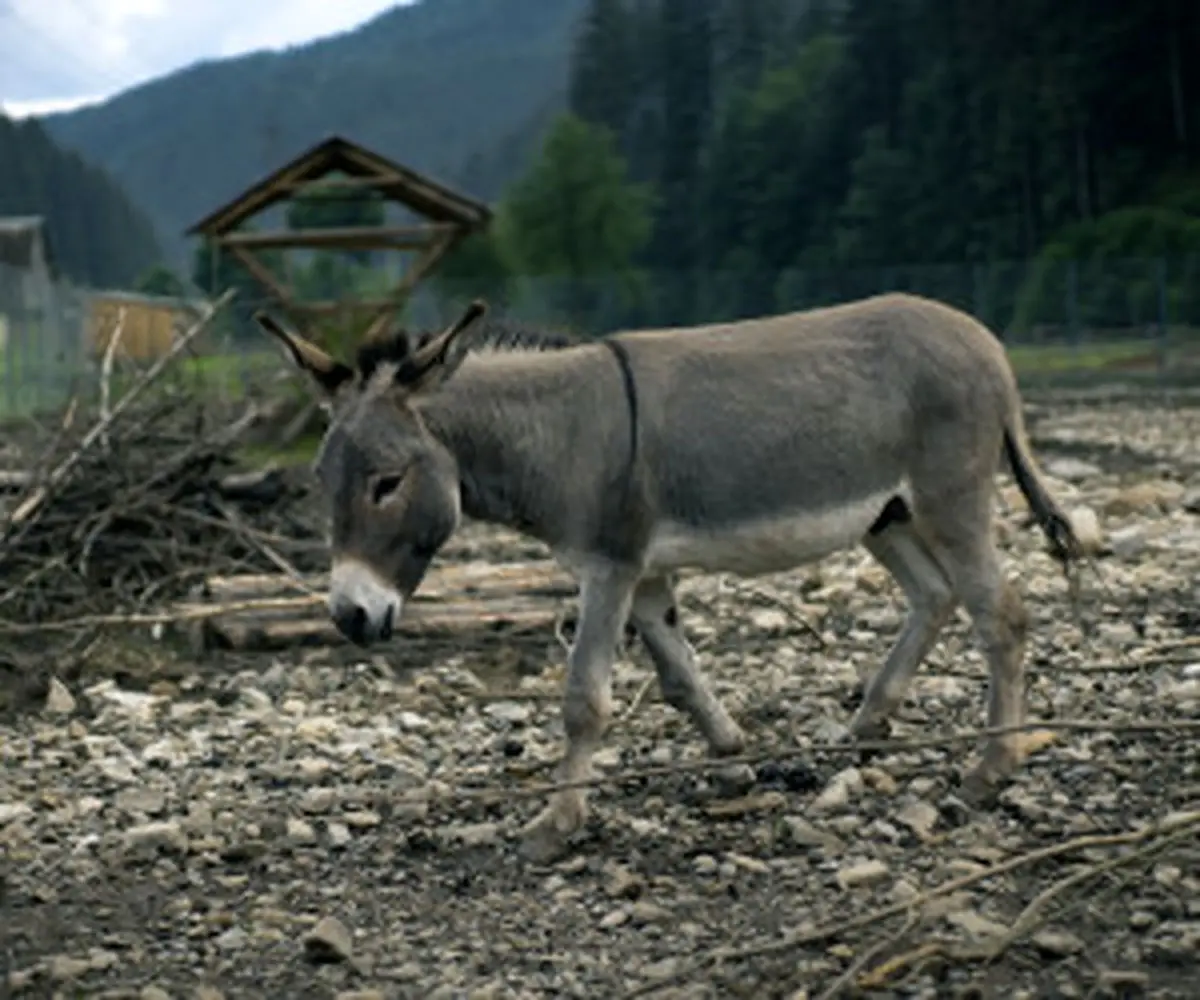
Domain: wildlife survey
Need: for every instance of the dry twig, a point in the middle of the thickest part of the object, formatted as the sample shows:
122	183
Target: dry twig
1175	827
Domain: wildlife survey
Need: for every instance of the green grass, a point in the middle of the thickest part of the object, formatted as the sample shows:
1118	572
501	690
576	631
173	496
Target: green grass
1050	359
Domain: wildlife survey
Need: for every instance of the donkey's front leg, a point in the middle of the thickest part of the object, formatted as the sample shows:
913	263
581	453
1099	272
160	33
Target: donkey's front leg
605	595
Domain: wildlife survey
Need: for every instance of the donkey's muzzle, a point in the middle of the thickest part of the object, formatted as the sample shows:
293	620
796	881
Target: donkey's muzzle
355	624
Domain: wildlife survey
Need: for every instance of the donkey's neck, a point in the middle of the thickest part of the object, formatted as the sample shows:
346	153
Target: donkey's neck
518	423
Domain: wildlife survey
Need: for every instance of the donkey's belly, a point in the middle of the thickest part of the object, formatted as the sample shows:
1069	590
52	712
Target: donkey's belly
767	545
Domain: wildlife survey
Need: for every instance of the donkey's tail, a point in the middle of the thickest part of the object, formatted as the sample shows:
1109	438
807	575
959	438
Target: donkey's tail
1065	545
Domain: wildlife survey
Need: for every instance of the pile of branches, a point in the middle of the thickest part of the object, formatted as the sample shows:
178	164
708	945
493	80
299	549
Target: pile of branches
130	506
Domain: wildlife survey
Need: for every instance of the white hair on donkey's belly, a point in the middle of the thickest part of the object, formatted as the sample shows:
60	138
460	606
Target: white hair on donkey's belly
768	545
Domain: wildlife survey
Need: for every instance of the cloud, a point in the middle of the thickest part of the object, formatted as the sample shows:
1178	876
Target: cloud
72	50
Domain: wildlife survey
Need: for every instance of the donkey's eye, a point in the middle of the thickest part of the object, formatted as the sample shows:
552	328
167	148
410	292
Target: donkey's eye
384	487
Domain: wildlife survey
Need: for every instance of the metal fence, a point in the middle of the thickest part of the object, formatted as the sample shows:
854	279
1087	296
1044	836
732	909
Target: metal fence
41	341
1115	320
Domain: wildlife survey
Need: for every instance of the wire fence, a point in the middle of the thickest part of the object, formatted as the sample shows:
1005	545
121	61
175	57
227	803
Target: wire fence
1062	321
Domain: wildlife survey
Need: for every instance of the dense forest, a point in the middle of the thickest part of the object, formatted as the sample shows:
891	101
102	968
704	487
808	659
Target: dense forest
97	236
1023	158
459	89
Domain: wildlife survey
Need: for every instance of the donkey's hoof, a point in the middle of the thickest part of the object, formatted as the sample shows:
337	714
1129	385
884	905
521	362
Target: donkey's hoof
981	786
728	742
865	729
546	839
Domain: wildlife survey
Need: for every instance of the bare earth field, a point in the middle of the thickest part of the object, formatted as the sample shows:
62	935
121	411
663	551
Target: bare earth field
314	824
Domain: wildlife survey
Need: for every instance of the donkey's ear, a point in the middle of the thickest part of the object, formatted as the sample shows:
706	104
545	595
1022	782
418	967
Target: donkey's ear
329	374
432	363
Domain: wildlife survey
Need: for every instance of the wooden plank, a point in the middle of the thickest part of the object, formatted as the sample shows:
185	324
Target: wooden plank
444	582
248	633
344	237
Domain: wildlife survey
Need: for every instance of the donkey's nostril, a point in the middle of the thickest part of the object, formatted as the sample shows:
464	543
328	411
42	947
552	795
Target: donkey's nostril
351	621
389	621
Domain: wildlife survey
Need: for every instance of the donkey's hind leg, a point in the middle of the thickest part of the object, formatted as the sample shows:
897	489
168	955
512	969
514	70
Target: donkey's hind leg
655	615
965	546
905	555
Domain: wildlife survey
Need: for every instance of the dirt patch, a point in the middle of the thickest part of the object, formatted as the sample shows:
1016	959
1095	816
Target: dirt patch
192	826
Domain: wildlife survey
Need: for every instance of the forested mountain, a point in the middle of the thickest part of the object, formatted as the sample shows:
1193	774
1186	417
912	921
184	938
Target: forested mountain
830	135
97	236
445	86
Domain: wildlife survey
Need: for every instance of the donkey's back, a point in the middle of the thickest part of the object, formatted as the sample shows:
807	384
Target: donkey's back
775	441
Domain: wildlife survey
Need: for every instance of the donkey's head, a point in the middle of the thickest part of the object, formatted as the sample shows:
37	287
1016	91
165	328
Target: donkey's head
392	488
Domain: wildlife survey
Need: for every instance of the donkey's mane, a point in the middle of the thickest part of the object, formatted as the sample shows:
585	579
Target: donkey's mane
497	333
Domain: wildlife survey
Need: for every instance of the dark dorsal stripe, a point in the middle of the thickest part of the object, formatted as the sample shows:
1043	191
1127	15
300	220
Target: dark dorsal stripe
621	353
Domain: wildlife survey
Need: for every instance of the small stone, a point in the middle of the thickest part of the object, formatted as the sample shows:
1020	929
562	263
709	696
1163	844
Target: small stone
1121	982
63	968
613	919
734	780
59	700
749	864
153	993
920	817
863	873
360	995
1072	470
328	941
148	801
842	787
976	925
1144	498
338	833
208	993
704	864
769	620
624	884
802	833
1056	943
167	836
663	969
643	912
1128	543
301	833
364	819
474	834
318	800
879	781
10	811
512	712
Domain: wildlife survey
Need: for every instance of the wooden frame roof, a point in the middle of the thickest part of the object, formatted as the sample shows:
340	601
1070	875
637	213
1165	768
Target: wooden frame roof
451	218
396	182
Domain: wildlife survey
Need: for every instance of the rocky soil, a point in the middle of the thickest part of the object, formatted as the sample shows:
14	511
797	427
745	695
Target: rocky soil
320	826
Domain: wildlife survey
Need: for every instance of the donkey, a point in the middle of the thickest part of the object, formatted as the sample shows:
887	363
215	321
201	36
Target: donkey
748	447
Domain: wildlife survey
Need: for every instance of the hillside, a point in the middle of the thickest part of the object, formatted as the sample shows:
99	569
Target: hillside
434	85
98	236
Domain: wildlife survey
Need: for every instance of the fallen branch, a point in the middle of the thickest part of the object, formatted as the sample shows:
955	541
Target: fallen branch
106	367
848	748
35	499
1030	917
1182	824
861	961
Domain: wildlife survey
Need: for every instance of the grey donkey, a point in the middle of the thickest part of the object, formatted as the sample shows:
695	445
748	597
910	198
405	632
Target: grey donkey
748	447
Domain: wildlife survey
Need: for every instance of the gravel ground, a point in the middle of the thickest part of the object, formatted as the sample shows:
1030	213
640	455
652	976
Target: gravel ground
317	826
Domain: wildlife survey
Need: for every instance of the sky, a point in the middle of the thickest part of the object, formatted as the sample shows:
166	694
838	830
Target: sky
59	54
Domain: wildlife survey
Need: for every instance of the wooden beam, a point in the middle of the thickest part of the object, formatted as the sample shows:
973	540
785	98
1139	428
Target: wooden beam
427	262
262	273
344	237
376	306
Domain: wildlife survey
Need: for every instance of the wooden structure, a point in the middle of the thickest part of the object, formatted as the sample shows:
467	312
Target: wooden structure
257	612
25	245
450	217
148	323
